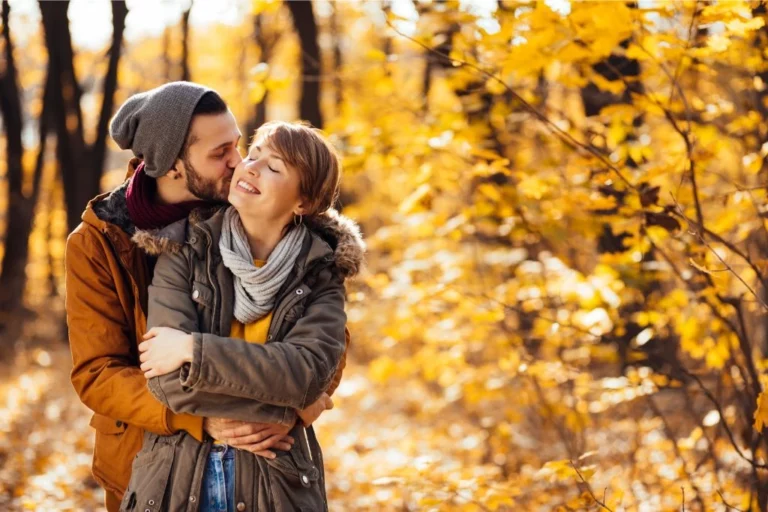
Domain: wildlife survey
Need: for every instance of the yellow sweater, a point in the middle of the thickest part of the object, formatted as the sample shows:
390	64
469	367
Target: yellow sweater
255	332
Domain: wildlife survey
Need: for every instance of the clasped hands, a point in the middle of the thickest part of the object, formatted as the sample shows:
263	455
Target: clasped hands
165	350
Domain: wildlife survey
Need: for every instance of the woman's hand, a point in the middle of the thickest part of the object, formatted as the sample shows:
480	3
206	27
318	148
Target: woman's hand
165	350
313	411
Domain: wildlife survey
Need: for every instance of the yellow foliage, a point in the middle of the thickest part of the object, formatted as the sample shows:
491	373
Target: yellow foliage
537	285
761	413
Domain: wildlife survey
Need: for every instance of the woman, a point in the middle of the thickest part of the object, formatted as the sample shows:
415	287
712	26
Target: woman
246	311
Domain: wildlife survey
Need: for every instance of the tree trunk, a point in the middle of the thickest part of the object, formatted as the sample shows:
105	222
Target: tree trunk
260	115
306	27
386	7
761	135
81	164
98	150
21	207
185	74
167	67
337	62
266	43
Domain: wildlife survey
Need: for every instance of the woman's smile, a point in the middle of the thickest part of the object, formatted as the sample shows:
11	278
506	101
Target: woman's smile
246	187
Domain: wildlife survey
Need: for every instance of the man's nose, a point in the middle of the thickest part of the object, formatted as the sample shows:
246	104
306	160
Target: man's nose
235	159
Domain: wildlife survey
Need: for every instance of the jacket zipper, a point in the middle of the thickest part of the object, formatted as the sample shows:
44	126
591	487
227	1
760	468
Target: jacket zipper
195	504
214	284
309	448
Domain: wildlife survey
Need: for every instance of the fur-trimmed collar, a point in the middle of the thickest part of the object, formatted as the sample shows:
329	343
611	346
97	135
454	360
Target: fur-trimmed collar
341	233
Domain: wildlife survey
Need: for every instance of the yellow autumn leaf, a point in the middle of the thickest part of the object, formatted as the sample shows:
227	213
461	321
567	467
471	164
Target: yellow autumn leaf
761	413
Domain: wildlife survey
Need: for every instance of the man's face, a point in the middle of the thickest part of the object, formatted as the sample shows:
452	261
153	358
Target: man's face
212	156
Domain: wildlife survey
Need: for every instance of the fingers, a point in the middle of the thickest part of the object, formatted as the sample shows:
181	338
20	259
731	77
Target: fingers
264	445
258	438
328	403
143	357
248	440
309	416
283	446
149	335
151	373
144	345
266	454
245	429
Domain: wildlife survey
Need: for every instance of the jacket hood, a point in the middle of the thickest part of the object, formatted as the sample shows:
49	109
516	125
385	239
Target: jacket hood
341	233
111	208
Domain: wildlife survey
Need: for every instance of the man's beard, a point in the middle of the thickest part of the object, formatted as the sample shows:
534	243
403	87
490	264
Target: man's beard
205	189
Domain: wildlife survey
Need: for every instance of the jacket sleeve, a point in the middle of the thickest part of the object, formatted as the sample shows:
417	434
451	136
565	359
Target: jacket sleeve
342	364
105	373
293	372
171	305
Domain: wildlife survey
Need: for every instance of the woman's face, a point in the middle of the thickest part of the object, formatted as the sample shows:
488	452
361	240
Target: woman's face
265	187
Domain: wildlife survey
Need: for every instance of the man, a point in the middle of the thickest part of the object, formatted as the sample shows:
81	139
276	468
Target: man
186	141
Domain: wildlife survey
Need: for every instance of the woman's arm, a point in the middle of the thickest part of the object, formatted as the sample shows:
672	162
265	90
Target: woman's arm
292	372
169	390
171	305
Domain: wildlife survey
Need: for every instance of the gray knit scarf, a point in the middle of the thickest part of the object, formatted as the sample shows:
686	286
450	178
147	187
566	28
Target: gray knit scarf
256	288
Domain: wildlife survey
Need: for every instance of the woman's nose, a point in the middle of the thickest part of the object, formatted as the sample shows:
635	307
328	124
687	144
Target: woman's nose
253	167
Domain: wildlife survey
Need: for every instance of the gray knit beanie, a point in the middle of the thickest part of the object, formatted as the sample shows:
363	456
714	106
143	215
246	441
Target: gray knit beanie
154	124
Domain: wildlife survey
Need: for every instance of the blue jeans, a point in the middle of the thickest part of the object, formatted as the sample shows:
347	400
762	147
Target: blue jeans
218	491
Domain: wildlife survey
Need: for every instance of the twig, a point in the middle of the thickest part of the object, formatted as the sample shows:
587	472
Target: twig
589	489
724	423
728	505
558	427
731	247
673	438
699	234
678	69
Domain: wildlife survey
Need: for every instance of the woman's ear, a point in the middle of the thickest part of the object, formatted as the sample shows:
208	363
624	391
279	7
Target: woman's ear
175	173
301	208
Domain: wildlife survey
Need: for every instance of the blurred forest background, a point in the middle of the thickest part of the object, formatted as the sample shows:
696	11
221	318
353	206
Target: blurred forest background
565	205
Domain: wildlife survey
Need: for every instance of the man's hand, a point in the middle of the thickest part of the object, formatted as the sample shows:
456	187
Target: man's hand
313	411
258	438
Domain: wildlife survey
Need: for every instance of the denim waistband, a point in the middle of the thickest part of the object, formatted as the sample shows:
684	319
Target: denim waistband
222	451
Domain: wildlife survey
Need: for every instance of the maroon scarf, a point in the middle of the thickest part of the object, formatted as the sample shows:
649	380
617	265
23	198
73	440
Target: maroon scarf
145	211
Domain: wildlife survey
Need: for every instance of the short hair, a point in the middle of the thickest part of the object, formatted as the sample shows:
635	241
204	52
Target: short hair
306	149
210	104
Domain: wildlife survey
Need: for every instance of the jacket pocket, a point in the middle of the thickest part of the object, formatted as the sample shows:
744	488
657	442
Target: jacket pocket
295	481
110	453
150	475
291	310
